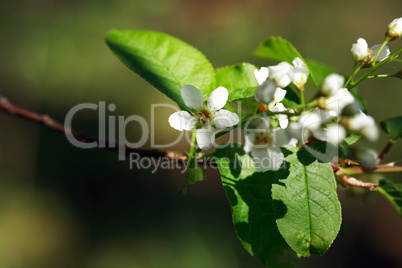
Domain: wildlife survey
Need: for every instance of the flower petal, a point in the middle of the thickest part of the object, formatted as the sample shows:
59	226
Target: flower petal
218	99
280	137
283	118
265	92
335	134
281	73
332	83
192	96
261	75
385	52
182	120
249	143
224	118
205	137
339	100
279	94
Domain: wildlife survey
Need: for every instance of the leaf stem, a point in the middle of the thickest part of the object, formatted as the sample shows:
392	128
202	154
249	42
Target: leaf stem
193	142
350	79
302	100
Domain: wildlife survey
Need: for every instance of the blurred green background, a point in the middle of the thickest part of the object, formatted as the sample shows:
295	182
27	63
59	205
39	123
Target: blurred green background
61	206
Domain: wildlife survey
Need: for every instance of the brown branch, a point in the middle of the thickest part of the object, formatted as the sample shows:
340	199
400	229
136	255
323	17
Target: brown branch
384	152
7	107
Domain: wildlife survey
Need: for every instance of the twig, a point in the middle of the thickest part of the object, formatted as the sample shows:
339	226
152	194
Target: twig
384	152
7	107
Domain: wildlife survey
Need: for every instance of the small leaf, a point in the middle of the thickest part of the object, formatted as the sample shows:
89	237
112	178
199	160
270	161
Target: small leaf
291	97
164	61
279	49
393	127
352	138
393	192
238	79
194	174
249	195
306	204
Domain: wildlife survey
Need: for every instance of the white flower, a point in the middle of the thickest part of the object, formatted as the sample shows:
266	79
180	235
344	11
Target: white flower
332	83
385	52
265	92
261	75
364	125
207	115
282	74
300	73
360	50
282	118
333	133
310	123
339	100
265	146
395	28
271	95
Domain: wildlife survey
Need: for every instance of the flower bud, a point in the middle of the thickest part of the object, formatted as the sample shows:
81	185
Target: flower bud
395	29
364	125
332	84
301	73
282	74
335	134
360	50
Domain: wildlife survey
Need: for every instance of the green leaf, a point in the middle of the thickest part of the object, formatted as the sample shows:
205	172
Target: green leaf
249	196
306	203
319	71
164	61
238	79
352	138
291	97
393	127
194	174
393	192
278	49
361	101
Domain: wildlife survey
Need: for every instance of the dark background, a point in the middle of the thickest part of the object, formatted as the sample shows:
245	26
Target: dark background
61	206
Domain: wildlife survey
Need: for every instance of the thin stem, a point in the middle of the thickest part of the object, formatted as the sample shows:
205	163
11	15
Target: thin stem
380	169
383	75
7	107
352	75
384	152
303	106
193	142
396	60
387	39
302	100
